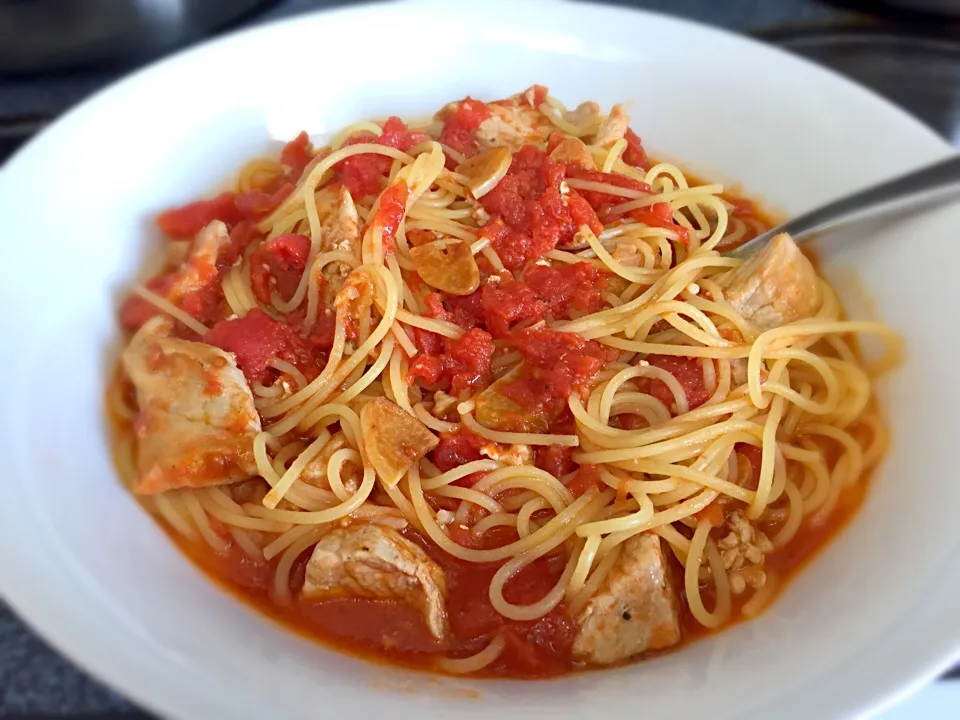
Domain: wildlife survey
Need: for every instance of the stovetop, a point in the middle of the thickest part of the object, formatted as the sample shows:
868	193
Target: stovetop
915	62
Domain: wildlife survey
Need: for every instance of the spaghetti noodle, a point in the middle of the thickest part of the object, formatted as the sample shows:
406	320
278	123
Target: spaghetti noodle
512	340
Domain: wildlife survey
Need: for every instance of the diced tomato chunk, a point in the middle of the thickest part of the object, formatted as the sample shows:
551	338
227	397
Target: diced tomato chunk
469	360
280	263
713	514
535	95
507	303
296	155
465	363
205	302
587	478
600	200
466	310
319	337
257	337
582	214
136	310
553	142
435	308
455	450
242	234
660	215
689	373
366	174
390	212
184	222
635	154
565	287
258	203
459	126
427	342
555	459
530	213
395	134
560	363
428	368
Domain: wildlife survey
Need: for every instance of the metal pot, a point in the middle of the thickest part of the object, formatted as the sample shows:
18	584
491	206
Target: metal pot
38	35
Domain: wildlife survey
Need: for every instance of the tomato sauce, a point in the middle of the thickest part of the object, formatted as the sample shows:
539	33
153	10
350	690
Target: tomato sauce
531	213
395	631
389	631
529	218
464	364
559	364
257	337
366	174
459	126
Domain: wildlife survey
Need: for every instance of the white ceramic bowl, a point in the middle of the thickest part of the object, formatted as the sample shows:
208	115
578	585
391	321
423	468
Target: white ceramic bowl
871	619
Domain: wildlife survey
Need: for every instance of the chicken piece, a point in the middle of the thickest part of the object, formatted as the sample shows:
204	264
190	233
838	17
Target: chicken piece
199	270
572	151
315	473
177	252
509	454
197	419
775	287
634	610
443	403
373	561
738	372
613	127
339	232
584	115
356	296
480	215
512	124
628	255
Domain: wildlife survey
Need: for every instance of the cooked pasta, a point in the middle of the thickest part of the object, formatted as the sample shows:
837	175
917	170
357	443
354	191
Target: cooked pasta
488	395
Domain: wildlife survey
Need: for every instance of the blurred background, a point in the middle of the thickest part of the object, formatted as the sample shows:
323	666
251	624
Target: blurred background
54	53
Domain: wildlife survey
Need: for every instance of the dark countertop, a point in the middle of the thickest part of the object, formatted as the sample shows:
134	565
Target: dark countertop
51	94
34	680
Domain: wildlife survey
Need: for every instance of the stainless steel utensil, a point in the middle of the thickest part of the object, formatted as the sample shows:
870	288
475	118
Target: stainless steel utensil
928	184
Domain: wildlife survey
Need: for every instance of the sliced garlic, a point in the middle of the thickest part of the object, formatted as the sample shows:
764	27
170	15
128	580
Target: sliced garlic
485	170
447	265
393	439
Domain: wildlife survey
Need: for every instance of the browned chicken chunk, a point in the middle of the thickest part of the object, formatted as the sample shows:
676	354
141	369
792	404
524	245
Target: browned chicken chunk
634	610
377	562
776	286
613	127
512	123
572	151
339	232
197	419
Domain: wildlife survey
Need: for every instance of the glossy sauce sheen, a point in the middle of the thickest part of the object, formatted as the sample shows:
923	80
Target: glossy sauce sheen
395	632
383	630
